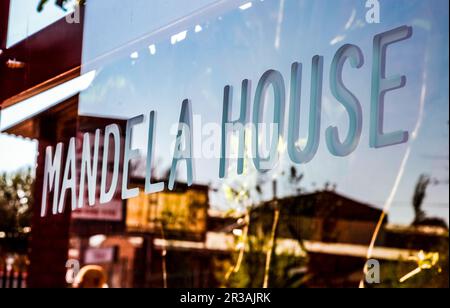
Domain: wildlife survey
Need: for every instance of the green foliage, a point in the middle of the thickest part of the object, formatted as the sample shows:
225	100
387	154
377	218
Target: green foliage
436	277
286	270
16	200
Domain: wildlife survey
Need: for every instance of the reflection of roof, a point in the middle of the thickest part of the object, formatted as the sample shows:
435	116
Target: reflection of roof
329	204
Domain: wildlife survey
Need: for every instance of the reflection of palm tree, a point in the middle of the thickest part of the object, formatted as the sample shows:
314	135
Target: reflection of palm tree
419	196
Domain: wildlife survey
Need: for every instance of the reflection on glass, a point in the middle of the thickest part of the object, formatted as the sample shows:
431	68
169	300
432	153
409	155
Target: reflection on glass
377	217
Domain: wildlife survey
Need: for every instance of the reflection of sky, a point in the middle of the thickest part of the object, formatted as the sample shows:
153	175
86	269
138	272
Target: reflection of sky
272	34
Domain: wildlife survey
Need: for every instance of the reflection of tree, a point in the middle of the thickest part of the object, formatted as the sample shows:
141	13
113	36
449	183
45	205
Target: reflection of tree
419	196
16	200
246	194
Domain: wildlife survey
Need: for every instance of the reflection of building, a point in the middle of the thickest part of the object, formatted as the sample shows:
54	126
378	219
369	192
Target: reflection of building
182	212
327	217
334	230
176	215
130	254
175	235
322	236
112	212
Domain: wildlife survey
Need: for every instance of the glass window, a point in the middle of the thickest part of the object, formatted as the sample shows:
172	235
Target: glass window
336	177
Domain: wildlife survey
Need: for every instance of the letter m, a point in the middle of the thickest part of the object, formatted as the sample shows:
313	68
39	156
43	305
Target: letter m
51	178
